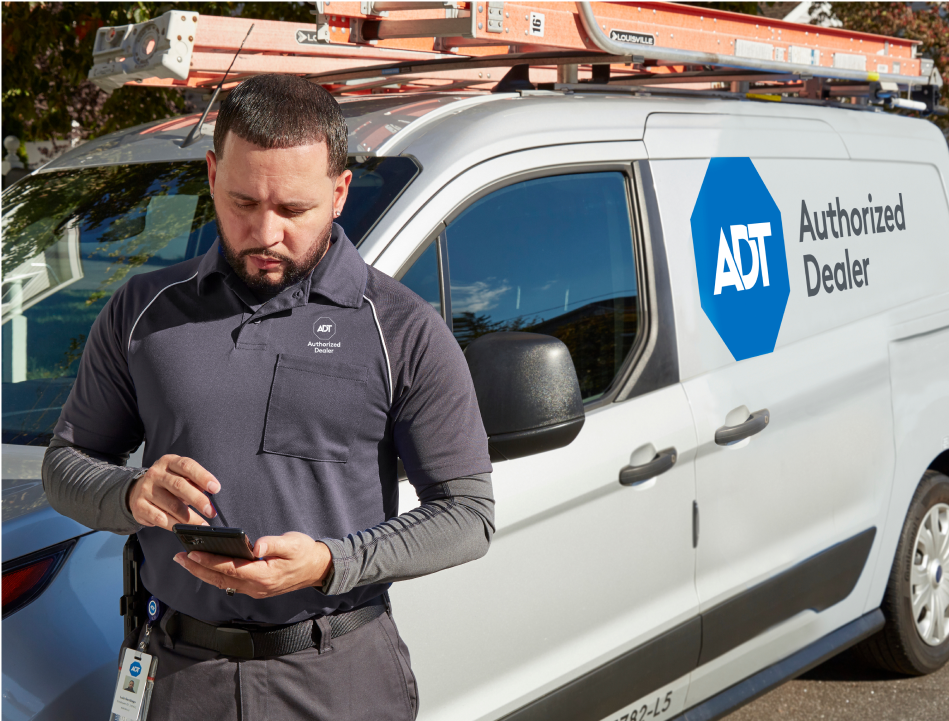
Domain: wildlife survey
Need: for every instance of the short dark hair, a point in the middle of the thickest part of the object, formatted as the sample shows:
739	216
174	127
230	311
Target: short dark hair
283	111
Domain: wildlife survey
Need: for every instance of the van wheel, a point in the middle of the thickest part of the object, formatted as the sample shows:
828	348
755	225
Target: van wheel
915	640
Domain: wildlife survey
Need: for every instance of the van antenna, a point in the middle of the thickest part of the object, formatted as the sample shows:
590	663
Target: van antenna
196	130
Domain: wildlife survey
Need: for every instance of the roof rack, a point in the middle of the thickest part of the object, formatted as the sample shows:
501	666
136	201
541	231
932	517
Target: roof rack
377	46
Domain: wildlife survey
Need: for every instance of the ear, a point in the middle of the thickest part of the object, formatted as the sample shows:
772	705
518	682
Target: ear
212	169
341	191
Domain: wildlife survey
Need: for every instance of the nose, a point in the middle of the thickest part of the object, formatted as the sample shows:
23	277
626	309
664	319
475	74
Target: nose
270	229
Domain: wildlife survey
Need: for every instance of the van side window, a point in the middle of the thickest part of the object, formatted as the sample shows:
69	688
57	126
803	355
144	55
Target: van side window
422	277
552	255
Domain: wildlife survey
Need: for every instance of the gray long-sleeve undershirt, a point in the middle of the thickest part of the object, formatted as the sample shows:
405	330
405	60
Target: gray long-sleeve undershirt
453	524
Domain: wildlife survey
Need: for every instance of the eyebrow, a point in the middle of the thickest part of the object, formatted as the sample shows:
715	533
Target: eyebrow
288	203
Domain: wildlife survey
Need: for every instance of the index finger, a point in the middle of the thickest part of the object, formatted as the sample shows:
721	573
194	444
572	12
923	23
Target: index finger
184	491
196	473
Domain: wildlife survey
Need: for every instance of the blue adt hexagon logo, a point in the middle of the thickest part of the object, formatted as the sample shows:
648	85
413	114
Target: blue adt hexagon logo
740	261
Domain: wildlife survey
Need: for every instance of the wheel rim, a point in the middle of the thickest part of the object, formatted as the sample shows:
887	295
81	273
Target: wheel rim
929	577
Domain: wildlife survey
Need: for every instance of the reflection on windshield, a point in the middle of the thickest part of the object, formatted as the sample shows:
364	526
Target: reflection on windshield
71	238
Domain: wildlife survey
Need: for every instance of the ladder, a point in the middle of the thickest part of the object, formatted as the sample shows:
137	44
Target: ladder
388	46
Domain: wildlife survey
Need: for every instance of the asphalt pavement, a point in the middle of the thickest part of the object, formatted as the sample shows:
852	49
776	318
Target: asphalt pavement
845	689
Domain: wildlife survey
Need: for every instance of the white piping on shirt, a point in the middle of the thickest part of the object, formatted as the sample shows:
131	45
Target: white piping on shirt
384	347
128	348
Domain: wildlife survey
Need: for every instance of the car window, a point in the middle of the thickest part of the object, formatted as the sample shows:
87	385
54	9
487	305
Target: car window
72	237
552	255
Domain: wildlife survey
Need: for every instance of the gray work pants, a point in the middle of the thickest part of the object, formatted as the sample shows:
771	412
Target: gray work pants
364	674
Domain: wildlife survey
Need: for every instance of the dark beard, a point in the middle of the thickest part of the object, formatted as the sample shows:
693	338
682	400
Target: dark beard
293	272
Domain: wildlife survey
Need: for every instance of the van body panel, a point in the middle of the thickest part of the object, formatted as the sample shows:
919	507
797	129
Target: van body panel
513	123
903	266
560	619
823	469
889	137
702	135
920	384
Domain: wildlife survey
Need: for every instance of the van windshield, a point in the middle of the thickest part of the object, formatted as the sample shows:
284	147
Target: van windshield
72	237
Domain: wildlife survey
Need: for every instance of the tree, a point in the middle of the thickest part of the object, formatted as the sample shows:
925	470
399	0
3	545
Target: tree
47	54
929	24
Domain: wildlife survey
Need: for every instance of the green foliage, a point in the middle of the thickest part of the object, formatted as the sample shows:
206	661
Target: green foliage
47	54
928	24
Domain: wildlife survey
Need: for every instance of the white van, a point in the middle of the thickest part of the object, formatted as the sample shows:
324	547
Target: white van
755	302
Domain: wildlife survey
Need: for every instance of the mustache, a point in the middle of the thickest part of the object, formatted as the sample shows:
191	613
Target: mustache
265	252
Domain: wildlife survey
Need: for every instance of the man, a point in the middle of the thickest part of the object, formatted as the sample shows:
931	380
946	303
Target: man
220	365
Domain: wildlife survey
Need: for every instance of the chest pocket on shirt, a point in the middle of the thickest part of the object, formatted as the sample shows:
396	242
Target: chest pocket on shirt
314	408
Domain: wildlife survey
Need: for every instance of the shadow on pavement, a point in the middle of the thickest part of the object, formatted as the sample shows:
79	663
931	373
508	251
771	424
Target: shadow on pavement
847	689
848	666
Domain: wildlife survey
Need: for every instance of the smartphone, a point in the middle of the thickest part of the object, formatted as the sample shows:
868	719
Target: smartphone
231	542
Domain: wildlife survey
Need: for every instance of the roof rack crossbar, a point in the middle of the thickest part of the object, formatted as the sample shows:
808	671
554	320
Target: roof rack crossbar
508	60
692	93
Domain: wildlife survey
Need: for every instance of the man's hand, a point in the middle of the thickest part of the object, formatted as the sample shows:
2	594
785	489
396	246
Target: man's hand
163	495
287	563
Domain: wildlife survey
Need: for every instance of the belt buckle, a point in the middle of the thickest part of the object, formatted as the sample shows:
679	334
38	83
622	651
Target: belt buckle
237	641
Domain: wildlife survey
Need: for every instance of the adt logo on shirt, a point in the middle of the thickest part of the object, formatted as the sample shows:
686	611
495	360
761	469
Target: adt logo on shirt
135	669
740	260
324	328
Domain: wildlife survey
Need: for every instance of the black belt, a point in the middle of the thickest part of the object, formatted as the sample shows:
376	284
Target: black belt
243	643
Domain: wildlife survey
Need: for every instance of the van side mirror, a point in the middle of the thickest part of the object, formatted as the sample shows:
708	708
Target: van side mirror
528	393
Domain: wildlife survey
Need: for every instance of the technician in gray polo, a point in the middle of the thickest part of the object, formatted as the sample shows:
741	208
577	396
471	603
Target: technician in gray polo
282	377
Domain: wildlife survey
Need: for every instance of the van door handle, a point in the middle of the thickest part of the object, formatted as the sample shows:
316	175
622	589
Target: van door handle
664	460
757	422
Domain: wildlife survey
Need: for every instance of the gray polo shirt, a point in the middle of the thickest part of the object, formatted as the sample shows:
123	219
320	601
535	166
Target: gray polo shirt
299	406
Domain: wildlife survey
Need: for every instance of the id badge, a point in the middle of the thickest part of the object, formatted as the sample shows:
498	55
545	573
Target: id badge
133	691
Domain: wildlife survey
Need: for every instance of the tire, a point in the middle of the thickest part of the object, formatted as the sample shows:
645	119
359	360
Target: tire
917	644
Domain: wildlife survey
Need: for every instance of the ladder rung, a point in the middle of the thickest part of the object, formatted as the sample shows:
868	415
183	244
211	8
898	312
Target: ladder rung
385	6
430	27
